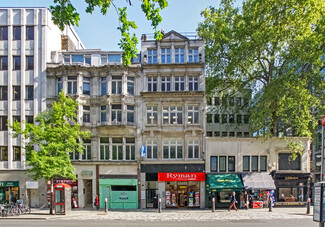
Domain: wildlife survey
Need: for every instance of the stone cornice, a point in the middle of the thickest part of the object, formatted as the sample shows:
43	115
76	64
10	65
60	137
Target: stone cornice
169	94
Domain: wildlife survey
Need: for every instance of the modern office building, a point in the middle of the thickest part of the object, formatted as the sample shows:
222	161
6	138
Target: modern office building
27	37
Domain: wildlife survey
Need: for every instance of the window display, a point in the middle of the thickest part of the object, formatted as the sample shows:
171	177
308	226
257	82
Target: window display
182	194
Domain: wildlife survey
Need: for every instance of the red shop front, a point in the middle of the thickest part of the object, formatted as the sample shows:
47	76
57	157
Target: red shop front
182	190
74	190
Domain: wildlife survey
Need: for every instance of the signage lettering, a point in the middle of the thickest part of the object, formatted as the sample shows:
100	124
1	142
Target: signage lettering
291	178
181	176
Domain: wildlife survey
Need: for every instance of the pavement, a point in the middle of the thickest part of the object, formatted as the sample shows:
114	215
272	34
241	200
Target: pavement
151	215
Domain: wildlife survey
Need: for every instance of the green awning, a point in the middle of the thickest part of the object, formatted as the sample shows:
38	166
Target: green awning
224	182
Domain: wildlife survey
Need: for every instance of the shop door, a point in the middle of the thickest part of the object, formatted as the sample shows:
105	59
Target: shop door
88	193
34	201
152	198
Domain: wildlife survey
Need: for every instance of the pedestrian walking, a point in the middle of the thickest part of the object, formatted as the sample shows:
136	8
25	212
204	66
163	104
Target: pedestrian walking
233	202
96	202
246	202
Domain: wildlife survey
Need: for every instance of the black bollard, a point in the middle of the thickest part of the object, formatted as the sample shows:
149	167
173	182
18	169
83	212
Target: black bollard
270	205
105	205
213	204
308	206
159	205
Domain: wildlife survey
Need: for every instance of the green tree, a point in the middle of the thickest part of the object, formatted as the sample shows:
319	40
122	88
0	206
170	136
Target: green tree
50	140
64	13
275	49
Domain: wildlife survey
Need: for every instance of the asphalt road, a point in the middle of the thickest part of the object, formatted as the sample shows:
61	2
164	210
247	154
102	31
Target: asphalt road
119	223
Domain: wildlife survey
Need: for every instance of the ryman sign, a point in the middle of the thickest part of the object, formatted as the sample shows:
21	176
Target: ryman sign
181	176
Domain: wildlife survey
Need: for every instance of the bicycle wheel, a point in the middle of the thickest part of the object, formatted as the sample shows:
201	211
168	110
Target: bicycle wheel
28	210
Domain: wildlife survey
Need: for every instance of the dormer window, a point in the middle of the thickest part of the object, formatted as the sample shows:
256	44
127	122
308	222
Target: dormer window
165	55
179	55
152	56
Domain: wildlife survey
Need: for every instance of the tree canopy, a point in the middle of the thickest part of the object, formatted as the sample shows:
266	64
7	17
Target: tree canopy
274	48
64	13
55	134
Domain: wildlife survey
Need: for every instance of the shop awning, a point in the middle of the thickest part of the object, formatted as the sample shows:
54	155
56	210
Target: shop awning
254	181
224	182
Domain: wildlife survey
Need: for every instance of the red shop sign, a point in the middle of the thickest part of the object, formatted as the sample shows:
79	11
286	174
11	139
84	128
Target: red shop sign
323	121
181	176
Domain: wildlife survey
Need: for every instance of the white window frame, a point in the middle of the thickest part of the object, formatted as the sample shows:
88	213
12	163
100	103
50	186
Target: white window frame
180	81
165	82
171	115
151	146
117	146
193	80
105	148
103	113
194	144
152	115
84	112
85	81
117	112
130	81
60	84
165	53
180	55
152	56
117	83
103	81
176	143
152	80
72	81
129	111
193	114
193	55
84	156
129	148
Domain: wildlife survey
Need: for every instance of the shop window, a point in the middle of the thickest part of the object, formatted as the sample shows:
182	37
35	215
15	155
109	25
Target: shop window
29	119
16	153
86	114
179	83
172	149
246	163
87	151
3	92
103	114
217	118
152	56
72	85
193	149
117	149
231	164
165	83
3	63
222	163
193	83
130	85
29	32
214	163
3	32
289	194
130	149
103	86
86	86
209	118
239	118
254	163
16	92
60	84
193	114
152	149
172	115
16	32
165	55
116	113
116	84
285	163
263	163
16	62
104	148
152	83
3	153
152	115
130	114
3	123
179	55
193	55
29	62
29	92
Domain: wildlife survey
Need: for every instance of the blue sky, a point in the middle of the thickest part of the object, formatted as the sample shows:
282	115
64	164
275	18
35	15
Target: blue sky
99	32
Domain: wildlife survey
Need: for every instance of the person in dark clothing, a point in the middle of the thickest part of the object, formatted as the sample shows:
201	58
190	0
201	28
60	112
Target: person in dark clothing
245	200
233	202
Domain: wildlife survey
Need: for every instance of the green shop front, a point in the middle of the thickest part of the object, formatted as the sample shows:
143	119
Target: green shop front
120	193
221	187
9	191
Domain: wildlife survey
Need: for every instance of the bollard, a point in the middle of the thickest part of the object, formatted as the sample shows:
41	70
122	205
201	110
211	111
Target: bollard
105	205
270	205
213	204
159	205
308	206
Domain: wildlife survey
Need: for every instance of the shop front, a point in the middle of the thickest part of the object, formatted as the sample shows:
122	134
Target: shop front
221	187
74	190
291	188
182	190
259	187
120	193
9	191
